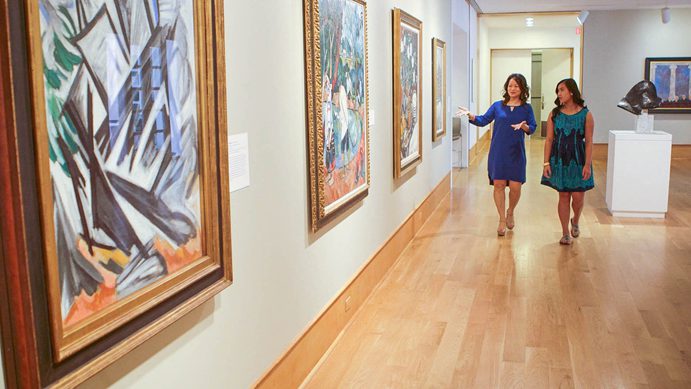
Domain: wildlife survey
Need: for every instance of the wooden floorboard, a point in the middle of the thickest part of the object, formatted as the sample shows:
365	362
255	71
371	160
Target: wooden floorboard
463	308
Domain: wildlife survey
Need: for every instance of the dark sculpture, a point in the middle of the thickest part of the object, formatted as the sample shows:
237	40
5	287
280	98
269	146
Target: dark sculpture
642	96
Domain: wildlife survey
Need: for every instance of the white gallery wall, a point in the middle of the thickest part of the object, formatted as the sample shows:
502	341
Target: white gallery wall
284	276
463	57
520	38
616	45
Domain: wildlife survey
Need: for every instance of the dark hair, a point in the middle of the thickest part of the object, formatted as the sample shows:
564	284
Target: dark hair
522	84
571	85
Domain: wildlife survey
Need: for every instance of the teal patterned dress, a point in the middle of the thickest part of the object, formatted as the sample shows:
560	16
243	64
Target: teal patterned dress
567	157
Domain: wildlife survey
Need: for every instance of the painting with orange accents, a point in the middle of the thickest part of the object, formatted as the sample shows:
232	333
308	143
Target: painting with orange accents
132	172
337	101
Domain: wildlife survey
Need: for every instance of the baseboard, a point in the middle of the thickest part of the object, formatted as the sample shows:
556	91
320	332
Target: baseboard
297	362
678	151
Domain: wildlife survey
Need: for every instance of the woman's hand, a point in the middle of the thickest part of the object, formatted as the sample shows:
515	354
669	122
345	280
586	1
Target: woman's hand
586	172
547	171
519	126
464	111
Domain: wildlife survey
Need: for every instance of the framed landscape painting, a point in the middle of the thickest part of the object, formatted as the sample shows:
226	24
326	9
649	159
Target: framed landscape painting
124	206
672	79
407	92
336	68
438	89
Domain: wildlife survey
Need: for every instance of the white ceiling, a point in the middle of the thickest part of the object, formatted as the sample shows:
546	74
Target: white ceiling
504	6
540	20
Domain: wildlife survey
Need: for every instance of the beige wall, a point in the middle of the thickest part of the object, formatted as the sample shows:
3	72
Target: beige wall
556	66
505	62
616	45
285	276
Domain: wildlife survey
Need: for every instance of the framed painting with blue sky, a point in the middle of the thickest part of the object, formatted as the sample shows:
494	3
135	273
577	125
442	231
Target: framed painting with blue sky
672	79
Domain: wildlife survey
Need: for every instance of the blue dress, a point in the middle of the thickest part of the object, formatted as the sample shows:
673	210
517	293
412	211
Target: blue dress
567	156
506	159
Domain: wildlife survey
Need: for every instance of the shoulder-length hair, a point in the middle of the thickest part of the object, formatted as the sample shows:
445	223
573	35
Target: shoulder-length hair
571	85
522	84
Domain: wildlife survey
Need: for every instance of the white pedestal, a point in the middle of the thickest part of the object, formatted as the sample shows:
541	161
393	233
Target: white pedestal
638	173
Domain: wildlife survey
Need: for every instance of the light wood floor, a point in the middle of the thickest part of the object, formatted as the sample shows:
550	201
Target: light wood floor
463	308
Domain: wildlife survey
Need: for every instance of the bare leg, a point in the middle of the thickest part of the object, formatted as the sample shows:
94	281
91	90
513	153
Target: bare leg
500	202
514	196
577	200
564	211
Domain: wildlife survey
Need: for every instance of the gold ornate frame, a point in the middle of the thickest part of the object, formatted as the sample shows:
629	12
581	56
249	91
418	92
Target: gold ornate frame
65	356
436	44
400	18
321	214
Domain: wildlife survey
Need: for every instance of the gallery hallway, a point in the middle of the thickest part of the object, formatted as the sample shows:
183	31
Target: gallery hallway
464	308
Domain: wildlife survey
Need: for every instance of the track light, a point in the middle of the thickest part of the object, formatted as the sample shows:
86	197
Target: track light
582	16
666	15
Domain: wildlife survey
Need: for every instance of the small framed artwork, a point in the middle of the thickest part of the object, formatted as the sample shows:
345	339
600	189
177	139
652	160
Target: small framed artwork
337	106
407	92
438	89
122	223
672	79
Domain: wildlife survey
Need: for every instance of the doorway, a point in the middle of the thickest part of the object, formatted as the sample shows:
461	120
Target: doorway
542	69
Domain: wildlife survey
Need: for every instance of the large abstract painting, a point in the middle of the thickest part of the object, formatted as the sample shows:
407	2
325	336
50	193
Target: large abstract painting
438	89
672	79
132	184
407	85
337	101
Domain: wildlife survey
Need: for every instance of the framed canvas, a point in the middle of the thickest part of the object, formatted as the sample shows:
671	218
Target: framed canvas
120	223
336	69
407	92
438	89
672	79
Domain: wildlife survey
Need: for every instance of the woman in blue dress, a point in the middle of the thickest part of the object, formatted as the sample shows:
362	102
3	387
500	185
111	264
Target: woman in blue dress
568	155
513	119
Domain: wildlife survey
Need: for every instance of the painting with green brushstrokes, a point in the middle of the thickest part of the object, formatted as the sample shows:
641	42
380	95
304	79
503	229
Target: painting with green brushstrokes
121	115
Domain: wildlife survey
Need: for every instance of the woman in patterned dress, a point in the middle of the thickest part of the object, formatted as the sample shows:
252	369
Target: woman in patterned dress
568	155
513	119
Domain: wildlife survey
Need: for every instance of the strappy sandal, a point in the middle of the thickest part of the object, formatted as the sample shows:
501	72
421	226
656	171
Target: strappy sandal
510	223
501	231
575	231
565	240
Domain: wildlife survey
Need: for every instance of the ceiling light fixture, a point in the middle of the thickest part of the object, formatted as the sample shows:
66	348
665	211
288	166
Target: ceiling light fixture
582	16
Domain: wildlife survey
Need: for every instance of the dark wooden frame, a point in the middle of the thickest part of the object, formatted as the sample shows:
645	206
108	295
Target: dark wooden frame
28	352
649	61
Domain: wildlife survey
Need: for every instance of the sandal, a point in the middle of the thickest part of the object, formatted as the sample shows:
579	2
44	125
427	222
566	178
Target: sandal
510	223
501	231
565	240
575	231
